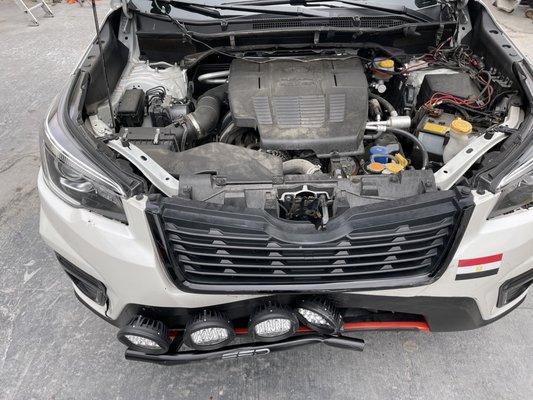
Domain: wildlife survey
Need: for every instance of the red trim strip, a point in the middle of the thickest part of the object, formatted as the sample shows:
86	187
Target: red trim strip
481	260
391	325
365	326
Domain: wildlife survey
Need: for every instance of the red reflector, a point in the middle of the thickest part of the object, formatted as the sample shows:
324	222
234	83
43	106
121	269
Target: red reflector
470	262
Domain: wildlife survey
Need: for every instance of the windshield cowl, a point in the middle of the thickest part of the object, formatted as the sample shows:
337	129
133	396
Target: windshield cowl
212	10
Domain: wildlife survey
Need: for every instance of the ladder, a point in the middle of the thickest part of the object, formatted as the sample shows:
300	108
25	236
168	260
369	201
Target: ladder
28	10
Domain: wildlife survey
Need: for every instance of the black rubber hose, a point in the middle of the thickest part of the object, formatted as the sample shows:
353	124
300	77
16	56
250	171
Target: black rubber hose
384	103
416	141
207	113
299	166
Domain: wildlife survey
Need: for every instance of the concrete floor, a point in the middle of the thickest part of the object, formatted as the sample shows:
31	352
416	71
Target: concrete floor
51	347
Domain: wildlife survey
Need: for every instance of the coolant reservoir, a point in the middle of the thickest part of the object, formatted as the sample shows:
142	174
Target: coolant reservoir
460	136
383	71
384	68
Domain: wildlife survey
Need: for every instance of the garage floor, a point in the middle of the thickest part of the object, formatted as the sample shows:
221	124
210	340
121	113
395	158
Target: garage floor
51	347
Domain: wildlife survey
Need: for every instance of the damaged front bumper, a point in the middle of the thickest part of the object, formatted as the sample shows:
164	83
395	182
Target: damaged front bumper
134	281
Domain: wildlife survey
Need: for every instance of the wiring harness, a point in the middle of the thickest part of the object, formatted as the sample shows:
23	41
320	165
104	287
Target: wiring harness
461	58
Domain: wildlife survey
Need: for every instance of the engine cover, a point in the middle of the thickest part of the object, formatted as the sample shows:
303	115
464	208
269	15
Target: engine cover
318	105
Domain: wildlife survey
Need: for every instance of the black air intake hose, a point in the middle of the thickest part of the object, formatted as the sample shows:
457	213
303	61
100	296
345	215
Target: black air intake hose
384	103
207	113
416	142
300	166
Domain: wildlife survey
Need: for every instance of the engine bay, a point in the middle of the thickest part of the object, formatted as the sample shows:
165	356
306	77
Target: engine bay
306	134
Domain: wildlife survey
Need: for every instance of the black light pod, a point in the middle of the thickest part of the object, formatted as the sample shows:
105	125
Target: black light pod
320	315
145	335
272	322
209	330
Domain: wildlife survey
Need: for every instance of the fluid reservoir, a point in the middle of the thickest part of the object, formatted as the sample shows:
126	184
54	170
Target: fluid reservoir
460	136
383	68
379	154
383	71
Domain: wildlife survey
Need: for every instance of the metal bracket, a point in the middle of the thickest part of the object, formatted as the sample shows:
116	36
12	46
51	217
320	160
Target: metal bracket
304	189
464	27
125	9
454	169
152	170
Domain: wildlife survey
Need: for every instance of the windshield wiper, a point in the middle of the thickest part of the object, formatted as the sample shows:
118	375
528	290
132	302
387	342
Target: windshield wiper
193	8
212	9
308	3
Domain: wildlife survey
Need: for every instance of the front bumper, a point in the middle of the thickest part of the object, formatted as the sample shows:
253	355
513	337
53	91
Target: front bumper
126	260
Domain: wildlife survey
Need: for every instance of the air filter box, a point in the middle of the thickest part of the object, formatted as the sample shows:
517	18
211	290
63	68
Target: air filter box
318	105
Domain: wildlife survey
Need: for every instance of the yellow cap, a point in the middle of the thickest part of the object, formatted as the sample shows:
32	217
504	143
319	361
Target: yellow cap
387	63
404	162
394	167
461	126
437	129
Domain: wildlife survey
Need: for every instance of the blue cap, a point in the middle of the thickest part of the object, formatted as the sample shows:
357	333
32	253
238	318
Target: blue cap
376	152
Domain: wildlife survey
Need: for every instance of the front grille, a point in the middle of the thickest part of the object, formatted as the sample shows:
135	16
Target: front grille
215	247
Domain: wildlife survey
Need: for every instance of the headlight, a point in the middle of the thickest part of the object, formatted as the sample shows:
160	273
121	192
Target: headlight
518	192
517	196
71	174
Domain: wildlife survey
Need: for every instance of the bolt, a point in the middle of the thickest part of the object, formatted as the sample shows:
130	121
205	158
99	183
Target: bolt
220	181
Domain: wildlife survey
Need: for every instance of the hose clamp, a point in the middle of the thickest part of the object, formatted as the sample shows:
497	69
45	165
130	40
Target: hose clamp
194	123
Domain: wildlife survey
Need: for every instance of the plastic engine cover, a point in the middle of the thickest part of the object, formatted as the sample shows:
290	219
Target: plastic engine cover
318	105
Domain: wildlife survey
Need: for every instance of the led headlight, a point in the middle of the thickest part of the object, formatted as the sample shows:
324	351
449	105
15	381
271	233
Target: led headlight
320	315
208	331
146	335
272	322
515	195
70	173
